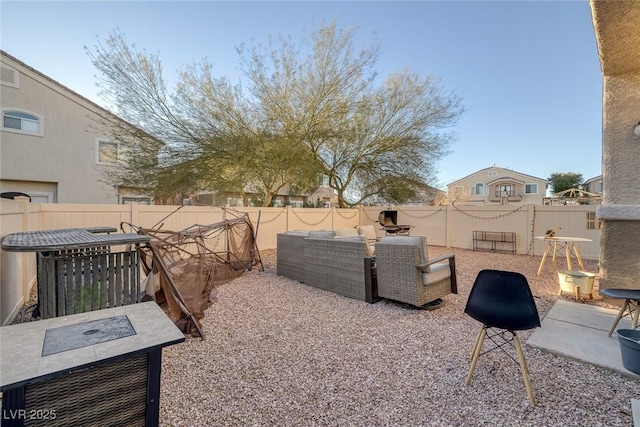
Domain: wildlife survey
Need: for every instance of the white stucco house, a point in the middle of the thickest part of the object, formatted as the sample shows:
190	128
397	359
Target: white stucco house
594	185
496	185
52	146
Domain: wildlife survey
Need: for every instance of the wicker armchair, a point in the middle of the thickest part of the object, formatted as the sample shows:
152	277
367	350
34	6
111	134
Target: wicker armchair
405	273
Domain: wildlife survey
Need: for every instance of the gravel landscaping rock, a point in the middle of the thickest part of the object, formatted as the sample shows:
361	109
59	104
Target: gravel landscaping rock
281	353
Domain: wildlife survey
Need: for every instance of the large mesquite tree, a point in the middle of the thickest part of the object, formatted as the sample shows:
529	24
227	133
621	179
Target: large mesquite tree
304	111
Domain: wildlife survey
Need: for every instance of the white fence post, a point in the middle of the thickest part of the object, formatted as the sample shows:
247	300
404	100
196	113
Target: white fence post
447	224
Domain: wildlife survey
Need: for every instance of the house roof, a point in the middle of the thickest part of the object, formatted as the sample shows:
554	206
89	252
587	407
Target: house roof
595	178
497	167
505	178
70	92
55	82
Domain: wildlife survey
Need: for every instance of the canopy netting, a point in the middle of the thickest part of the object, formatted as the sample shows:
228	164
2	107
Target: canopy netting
183	267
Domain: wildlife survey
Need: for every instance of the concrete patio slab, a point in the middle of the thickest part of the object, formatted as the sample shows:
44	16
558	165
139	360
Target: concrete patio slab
579	331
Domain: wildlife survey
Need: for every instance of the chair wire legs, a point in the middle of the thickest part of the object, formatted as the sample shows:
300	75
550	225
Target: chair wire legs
633	313
500	339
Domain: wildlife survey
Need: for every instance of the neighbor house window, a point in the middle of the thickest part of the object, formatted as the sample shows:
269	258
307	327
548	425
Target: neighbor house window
17	120
531	189
506	188
107	152
479	189
593	223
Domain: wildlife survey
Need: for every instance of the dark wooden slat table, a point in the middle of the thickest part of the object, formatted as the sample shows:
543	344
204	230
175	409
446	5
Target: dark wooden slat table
78	272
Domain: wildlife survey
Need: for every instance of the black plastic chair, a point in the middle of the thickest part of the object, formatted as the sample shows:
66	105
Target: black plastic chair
631	305
503	303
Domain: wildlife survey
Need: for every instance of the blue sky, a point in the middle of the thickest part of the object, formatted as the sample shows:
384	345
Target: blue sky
528	72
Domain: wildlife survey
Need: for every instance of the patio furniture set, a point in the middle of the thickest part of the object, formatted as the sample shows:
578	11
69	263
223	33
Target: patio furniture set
338	261
341	261
352	262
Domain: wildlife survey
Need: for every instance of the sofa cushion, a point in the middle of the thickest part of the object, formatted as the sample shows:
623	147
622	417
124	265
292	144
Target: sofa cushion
346	232
438	273
352	238
328	234
360	238
369	231
419	241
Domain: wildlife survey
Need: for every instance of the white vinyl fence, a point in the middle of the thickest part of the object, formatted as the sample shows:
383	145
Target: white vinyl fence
450	226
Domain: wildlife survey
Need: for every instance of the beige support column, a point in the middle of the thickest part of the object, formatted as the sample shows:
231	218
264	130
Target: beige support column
619	246
620	209
619	52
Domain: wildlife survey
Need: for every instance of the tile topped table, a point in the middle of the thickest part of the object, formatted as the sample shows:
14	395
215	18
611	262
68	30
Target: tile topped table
67	239
57	367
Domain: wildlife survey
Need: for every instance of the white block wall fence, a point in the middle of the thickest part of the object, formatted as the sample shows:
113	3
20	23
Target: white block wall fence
450	226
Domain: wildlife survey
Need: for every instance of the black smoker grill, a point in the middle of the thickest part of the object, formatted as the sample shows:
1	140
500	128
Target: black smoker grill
389	222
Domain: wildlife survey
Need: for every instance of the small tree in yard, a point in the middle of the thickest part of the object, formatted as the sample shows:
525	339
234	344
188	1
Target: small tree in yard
560	181
305	115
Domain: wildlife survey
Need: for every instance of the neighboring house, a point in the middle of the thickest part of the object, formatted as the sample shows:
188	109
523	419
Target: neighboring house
588	193
497	185
324	196
52	145
593	185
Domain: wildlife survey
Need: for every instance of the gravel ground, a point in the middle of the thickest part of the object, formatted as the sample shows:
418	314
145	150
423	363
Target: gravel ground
280	353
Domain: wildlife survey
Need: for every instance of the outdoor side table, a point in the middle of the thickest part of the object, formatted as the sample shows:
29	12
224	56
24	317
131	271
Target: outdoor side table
554	246
78	271
100	368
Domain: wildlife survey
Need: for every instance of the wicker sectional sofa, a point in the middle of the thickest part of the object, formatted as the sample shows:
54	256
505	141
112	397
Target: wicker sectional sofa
400	270
333	263
291	254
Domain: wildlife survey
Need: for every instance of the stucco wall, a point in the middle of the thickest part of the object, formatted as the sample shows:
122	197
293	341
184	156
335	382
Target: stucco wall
621	154
65	152
620	262
616	26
